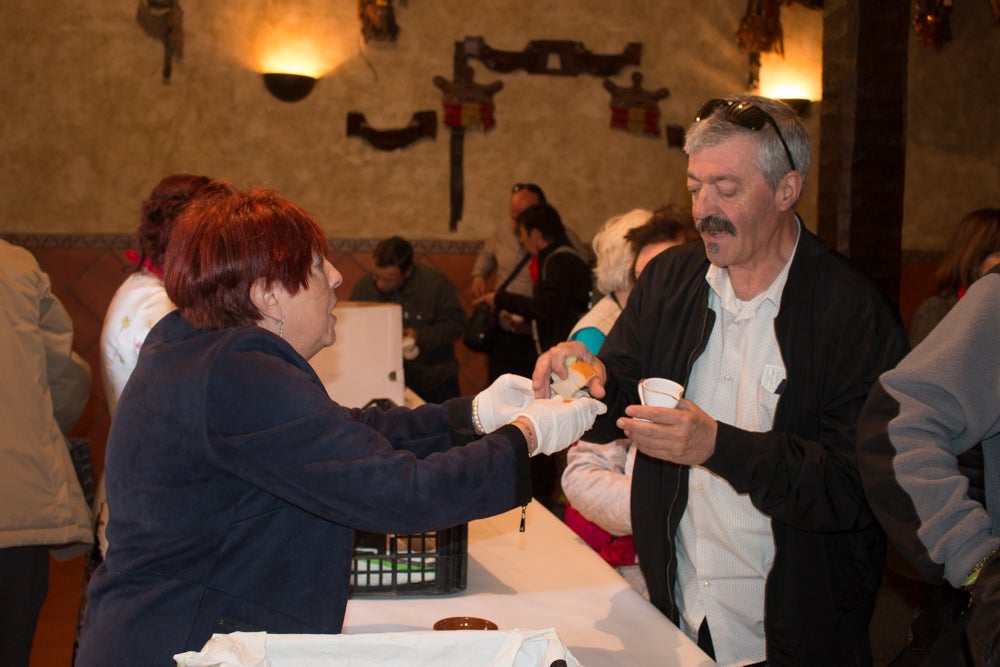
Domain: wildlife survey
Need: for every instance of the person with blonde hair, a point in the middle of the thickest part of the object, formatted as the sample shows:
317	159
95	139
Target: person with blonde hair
597	480
623	246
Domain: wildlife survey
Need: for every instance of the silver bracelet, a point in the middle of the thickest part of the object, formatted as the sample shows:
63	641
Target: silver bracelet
477	425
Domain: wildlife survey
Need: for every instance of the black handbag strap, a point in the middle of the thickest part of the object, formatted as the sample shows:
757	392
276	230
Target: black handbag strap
513	274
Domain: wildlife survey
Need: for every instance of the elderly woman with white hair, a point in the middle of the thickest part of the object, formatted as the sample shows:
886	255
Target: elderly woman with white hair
597	479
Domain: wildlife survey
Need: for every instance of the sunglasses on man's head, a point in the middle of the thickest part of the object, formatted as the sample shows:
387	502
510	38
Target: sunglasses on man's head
747	115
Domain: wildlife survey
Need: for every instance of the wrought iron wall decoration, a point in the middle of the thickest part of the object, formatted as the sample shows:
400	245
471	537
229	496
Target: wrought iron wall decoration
537	57
423	124
675	135
468	104
378	20
635	109
163	21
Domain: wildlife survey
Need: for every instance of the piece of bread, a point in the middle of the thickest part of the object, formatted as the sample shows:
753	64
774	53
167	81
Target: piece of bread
580	373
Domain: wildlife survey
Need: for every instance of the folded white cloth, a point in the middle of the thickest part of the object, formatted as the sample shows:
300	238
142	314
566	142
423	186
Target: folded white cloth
450	648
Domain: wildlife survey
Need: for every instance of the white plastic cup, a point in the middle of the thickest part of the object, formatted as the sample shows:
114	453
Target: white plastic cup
660	392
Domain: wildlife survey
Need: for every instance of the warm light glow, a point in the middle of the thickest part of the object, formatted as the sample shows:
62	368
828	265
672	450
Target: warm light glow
799	73
311	37
780	78
304	42
290	56
279	50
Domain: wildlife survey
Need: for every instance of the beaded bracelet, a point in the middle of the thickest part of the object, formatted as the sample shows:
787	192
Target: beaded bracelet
477	424
529	433
973	575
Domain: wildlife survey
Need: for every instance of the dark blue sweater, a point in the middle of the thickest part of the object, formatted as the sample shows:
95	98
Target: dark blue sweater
235	485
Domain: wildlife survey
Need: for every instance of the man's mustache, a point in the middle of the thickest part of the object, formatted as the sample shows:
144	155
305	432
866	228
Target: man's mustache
716	223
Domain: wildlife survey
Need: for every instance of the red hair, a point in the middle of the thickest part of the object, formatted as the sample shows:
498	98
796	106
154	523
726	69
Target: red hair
160	211
225	241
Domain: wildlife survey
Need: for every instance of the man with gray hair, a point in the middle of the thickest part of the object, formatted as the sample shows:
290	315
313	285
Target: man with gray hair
749	519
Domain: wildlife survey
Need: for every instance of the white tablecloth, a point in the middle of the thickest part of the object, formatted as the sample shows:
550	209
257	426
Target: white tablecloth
544	577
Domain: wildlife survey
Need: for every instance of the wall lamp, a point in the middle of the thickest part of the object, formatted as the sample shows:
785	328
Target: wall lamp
799	104
289	87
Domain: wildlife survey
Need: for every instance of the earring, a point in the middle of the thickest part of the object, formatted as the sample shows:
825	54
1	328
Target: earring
281	328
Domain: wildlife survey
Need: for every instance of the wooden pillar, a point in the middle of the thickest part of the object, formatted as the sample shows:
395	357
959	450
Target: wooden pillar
863	135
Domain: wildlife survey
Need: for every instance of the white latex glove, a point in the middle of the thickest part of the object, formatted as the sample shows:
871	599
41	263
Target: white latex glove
501	401
560	422
410	349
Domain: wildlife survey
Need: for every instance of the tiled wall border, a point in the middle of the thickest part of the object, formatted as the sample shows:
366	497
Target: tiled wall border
425	246
125	241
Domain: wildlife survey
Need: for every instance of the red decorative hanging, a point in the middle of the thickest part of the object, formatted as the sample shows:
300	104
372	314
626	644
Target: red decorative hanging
932	21
635	109
760	32
760	29
469	114
466	103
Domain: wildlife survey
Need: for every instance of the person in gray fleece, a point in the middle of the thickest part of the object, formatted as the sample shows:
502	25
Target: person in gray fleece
941	400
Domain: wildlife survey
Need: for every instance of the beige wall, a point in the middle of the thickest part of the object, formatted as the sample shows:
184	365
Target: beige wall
88	127
953	131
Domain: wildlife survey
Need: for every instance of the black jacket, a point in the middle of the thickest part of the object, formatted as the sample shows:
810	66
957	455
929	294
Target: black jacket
836	335
561	294
432	308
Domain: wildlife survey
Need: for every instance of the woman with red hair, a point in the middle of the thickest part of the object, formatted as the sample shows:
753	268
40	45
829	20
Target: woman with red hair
235	484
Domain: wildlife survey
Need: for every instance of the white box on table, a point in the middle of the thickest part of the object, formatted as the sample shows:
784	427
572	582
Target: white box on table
366	361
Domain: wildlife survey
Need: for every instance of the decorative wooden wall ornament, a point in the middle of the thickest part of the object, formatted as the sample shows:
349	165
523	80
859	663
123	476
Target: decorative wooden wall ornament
760	32
466	103
423	124
163	20
675	136
635	109
536	58
378	20
932	21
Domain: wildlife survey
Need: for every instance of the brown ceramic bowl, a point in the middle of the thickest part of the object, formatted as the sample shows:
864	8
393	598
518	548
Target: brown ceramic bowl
464	623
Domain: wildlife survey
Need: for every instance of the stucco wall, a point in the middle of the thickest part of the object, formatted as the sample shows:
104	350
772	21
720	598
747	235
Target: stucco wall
953	128
88	127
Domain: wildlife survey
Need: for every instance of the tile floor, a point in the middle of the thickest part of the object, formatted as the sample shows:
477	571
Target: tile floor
53	646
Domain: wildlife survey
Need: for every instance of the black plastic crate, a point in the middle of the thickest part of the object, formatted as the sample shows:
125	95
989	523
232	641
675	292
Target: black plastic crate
434	563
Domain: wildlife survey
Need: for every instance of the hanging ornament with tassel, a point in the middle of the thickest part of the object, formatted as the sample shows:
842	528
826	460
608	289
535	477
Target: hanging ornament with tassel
760	32
932	21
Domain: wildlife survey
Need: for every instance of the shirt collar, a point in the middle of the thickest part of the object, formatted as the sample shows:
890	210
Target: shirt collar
718	279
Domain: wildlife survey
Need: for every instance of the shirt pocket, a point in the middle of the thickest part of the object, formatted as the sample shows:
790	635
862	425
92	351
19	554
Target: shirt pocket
769	390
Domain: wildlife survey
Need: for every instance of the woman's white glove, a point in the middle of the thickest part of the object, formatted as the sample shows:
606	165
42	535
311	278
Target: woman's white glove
500	402
559	422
